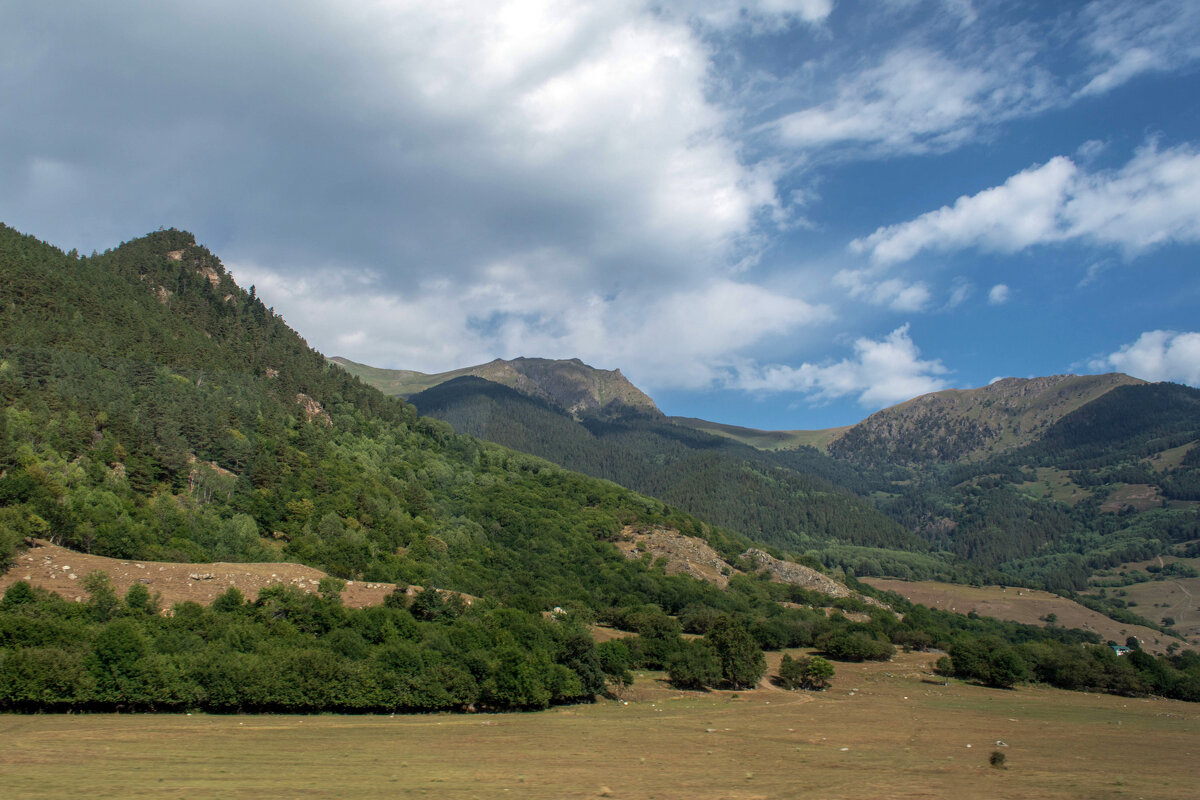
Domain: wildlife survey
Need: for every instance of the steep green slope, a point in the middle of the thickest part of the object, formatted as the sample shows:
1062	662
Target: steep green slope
1115	495
153	409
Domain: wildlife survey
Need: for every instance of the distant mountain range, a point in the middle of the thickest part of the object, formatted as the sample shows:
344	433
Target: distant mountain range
569	385
1042	480
942	427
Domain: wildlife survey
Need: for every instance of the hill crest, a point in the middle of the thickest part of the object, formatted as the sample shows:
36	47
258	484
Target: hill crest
568	384
969	424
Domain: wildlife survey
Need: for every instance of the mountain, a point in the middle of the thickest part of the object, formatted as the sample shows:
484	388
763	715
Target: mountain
1042	481
942	427
569	385
790	500
971	424
152	410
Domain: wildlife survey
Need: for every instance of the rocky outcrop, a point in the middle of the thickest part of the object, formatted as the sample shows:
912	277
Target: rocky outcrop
795	574
685	555
312	410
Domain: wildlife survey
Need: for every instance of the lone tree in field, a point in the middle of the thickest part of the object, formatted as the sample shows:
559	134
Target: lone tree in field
742	661
805	673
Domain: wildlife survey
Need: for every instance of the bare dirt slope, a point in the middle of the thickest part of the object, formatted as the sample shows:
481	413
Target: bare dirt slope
688	555
1029	606
62	571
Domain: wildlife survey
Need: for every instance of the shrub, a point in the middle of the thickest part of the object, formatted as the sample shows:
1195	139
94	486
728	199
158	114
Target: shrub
805	673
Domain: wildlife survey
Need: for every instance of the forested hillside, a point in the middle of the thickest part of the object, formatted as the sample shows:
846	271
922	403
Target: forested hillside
1040	482
152	409
787	499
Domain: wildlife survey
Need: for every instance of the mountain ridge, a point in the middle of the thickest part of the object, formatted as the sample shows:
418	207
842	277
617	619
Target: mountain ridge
569	384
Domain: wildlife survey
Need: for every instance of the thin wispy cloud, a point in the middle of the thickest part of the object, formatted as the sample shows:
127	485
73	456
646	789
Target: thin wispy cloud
1127	40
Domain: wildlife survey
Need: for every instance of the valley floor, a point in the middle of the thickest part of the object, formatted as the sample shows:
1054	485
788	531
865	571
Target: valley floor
881	731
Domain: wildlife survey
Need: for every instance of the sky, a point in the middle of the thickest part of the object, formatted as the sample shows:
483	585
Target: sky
773	213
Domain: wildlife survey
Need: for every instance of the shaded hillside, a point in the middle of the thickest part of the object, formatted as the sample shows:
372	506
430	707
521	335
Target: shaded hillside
758	494
569	385
764	440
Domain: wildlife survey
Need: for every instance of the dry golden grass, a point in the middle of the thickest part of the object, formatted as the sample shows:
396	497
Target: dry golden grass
1029	606
1178	598
879	733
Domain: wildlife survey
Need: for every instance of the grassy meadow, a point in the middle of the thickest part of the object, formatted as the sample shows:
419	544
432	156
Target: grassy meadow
881	731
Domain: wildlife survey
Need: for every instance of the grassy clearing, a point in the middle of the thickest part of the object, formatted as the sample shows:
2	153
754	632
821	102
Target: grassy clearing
1054	484
879	732
766	440
1029	606
1138	496
1177	598
1170	459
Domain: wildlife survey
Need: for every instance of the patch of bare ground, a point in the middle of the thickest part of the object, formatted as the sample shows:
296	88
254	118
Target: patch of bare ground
1136	496
685	555
688	555
62	571
1029	606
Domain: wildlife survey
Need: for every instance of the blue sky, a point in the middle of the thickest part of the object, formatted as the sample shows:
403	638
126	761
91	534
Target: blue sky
773	213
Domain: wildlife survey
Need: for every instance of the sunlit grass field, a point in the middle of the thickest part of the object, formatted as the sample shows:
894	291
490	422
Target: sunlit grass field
879	732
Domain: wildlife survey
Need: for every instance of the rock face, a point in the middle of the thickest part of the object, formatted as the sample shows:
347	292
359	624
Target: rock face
570	385
796	574
959	424
312	410
687	555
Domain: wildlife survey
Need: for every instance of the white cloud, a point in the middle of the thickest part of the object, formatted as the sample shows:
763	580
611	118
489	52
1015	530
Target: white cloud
959	73
1158	356
894	293
1127	39
1010	217
428	136
881	373
1152	200
999	294
917	99
660	339
960	290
